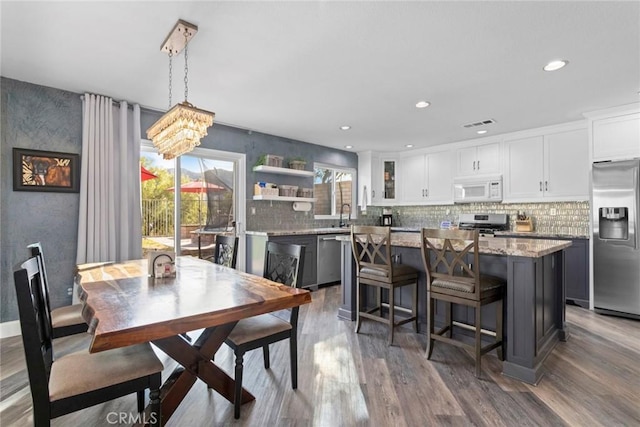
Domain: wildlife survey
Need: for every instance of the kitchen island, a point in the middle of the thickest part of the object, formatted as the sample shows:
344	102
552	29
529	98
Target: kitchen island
322	252
534	300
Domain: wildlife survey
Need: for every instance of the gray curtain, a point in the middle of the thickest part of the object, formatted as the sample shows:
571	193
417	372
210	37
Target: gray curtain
109	227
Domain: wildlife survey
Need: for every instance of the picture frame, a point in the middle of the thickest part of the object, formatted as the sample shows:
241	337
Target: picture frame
35	170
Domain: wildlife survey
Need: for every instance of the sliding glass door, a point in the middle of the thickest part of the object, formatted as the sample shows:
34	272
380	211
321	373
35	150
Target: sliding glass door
204	190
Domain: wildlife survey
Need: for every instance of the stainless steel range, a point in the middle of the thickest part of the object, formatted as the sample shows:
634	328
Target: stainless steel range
487	224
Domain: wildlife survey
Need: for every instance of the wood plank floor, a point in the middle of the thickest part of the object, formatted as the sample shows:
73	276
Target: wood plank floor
348	379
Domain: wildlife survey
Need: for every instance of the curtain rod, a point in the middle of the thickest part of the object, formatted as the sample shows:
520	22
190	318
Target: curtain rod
113	101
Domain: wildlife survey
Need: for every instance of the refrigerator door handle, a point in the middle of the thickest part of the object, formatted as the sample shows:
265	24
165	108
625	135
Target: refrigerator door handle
636	215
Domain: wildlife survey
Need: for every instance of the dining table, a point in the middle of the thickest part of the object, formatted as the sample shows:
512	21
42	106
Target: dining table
124	306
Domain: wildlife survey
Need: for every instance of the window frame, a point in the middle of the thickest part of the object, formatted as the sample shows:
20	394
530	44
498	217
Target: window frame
354	190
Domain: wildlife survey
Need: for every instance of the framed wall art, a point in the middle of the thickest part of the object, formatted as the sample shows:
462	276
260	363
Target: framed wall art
45	171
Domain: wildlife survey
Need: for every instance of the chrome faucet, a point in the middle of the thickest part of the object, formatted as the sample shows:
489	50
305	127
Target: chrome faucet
342	224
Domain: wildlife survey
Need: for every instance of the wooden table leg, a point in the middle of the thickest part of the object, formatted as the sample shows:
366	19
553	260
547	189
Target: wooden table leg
196	362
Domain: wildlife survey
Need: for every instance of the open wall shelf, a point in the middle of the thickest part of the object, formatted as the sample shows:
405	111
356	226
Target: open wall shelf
283	171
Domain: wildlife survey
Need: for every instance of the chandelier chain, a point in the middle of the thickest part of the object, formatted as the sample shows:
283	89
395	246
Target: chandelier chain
170	75
186	67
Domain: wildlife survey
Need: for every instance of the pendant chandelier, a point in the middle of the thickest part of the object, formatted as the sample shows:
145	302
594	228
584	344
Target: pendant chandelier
180	129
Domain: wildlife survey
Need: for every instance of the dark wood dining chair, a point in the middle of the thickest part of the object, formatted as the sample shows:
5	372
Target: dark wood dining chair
283	263
225	251
452	263
77	380
65	320
371	247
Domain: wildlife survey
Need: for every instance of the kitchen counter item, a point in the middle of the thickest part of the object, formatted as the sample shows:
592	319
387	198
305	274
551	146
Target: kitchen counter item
485	223
525	225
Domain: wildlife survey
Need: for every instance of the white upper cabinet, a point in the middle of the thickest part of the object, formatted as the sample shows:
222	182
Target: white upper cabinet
478	159
377	178
427	178
389	171
616	138
524	160
369	181
567	165
549	167
414	176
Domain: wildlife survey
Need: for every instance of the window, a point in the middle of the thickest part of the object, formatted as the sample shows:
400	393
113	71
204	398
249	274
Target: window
335	191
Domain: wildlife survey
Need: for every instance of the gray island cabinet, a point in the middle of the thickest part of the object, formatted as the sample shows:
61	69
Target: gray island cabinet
576	264
534	302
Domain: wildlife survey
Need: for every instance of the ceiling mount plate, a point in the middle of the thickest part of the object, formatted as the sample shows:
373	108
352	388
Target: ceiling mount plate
176	40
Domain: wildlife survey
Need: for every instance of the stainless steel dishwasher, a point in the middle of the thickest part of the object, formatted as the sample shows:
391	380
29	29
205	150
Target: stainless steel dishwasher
328	259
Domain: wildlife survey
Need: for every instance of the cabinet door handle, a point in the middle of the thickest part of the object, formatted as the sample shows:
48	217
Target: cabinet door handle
540	185
546	186
426	191
423	192
373	194
474	165
478	164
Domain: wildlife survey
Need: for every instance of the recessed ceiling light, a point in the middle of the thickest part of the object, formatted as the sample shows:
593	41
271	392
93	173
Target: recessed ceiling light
482	132
345	127
422	104
555	65
409	145
348	146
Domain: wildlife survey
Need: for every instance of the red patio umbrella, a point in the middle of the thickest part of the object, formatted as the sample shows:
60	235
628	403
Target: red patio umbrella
145	174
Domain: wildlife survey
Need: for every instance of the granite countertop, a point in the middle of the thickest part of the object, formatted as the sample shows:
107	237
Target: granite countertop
544	235
307	231
525	234
514	246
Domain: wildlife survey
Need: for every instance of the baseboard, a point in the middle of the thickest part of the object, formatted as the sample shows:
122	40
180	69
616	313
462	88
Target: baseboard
10	329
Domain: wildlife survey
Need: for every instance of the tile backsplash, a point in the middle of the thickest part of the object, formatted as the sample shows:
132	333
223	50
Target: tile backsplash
570	218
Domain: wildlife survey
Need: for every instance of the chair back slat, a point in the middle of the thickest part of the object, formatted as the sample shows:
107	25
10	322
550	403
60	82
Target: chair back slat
226	251
445	254
36	251
371	246
284	263
36	328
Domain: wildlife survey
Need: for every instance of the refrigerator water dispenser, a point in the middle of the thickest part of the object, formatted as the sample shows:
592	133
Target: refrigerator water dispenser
614	223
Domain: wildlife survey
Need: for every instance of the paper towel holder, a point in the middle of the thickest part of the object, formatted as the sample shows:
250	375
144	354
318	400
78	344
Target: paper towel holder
302	206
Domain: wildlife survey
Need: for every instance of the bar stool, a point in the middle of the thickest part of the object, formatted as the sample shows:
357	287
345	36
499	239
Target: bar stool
452	279
372	253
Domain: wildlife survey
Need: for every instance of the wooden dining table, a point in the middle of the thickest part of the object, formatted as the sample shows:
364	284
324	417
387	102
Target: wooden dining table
124	306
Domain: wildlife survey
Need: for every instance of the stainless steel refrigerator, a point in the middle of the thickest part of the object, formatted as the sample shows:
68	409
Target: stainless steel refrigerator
616	238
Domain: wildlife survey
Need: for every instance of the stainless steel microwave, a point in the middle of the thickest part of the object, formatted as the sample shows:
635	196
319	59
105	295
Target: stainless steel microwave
487	188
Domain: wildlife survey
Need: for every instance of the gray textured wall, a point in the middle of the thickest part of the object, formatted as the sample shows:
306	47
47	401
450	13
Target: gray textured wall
38	118
43	118
270	215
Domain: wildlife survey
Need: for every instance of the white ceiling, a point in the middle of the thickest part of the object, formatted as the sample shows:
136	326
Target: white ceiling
302	69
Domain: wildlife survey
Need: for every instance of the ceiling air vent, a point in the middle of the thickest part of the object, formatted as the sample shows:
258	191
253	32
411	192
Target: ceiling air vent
481	123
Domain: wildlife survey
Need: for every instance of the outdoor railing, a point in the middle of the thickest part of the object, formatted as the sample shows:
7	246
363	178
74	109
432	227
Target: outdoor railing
158	216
